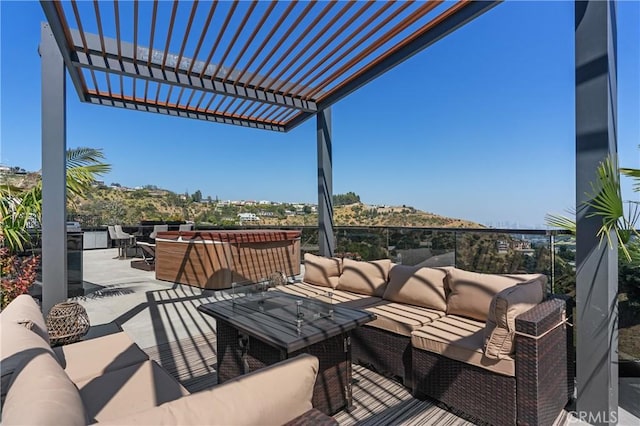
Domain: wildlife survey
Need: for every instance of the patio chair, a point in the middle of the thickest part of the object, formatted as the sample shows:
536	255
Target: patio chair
126	240
156	229
113	235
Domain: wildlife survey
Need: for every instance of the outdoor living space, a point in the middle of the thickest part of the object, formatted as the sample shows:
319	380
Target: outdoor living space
222	94
162	318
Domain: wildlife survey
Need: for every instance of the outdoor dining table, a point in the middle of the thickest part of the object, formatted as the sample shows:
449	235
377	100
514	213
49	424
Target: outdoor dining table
254	331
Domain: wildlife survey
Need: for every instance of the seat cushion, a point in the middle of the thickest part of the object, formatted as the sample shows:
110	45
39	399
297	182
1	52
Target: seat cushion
128	390
470	293
302	289
368	278
353	300
270	396
321	271
461	339
400	318
18	344
417	286
500	329
24	309
40	393
91	358
345	298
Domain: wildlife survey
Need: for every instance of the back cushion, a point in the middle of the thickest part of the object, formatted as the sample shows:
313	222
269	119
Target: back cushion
40	393
321	271
417	286
369	278
24	309
500	329
17	344
470	293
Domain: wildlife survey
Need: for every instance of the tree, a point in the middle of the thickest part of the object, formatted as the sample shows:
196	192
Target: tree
197	196
344	199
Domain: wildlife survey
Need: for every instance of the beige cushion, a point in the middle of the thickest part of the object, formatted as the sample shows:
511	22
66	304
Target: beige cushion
345	298
400	318
353	300
471	292
321	271
302	289
368	278
417	286
42	394
461	339
501	323
94	357
23	309
269	396
18	344
128	390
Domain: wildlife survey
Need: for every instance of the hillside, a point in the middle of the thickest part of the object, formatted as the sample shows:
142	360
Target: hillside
106	205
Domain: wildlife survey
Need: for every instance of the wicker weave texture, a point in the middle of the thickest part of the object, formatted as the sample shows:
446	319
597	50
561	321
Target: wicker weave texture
541	368
388	353
488	396
238	355
67	322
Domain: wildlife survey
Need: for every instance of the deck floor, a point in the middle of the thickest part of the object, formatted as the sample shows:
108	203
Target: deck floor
377	400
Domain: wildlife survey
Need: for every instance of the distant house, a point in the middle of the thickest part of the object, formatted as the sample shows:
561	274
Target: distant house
248	217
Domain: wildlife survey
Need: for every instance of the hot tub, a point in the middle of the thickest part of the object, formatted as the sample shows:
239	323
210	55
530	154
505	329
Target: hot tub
215	259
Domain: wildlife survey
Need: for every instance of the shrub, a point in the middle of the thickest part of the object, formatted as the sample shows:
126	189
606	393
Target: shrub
18	274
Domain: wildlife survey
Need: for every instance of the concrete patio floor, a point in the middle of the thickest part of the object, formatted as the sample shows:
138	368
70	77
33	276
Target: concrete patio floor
155	313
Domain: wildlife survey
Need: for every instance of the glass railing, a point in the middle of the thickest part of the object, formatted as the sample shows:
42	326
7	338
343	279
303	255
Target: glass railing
499	251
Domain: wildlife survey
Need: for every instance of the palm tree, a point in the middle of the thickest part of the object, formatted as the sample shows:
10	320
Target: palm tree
21	209
606	202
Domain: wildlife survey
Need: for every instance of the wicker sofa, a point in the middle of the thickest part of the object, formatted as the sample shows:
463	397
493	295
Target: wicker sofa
494	347
110	380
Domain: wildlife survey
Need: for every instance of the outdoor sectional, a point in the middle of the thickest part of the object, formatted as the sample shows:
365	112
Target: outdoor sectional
110	380
494	347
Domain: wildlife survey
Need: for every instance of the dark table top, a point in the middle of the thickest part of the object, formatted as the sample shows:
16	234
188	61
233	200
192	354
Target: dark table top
276	327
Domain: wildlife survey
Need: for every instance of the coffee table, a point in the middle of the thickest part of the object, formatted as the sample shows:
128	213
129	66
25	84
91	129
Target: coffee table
256	329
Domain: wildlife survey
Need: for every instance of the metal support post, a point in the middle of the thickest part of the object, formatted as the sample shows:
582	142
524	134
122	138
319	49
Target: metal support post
326	240
54	185
596	263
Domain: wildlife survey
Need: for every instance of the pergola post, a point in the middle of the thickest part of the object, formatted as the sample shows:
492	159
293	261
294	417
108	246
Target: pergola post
596	263
325	184
54	197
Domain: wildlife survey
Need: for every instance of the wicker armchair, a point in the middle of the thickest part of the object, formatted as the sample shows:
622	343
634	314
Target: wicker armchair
543	381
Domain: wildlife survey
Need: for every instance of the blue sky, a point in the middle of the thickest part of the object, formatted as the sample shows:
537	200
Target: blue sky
479	126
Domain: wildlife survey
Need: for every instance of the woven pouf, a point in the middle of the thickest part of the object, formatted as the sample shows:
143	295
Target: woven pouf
67	323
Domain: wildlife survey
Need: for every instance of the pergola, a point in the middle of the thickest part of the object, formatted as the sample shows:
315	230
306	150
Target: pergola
272	66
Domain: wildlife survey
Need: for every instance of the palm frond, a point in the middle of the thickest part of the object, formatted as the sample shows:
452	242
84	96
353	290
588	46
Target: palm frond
605	202
635	174
562	222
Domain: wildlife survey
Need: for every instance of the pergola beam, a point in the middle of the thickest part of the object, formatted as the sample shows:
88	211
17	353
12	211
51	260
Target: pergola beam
214	79
167	109
58	31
